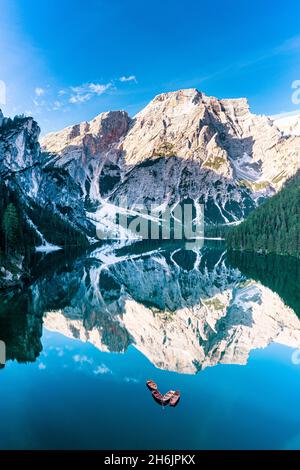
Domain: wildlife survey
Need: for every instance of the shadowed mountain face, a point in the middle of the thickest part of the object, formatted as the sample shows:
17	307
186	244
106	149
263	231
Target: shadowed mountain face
182	309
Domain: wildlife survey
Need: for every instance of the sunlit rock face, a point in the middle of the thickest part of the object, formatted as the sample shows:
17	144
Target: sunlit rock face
182	315
182	145
90	151
221	135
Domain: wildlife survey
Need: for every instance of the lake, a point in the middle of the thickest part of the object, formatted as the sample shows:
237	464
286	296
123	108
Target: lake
84	336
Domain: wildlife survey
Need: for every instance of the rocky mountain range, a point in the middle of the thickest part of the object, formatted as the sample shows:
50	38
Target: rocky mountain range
182	147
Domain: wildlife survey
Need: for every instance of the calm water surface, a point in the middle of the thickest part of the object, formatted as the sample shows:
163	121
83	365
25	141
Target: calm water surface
89	331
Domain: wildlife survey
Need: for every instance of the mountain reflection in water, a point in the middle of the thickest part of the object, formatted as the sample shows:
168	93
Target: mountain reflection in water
183	310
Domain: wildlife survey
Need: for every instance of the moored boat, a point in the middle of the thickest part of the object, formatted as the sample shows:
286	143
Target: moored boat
160	398
175	397
167	396
151	385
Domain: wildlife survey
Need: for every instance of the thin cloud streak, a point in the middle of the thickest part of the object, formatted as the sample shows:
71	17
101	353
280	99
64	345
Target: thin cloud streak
290	45
130	78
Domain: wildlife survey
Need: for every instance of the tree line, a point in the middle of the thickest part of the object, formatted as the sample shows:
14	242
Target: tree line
17	236
274	227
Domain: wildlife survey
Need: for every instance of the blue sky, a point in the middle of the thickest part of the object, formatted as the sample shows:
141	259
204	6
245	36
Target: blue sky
64	61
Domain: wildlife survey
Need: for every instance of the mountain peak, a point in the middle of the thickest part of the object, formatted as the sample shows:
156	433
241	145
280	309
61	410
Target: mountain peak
174	99
105	128
219	135
193	94
185	93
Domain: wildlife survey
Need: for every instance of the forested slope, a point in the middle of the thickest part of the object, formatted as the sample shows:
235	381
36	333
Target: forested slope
274	227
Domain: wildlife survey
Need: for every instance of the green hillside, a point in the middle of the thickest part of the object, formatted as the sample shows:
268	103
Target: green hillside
274	227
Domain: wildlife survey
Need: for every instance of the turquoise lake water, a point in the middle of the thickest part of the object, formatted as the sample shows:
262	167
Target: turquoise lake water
83	339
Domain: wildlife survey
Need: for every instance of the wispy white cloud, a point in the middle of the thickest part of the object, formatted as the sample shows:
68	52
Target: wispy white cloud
56	105
42	366
130	78
79	98
86	91
102	369
58	100
39	91
98	88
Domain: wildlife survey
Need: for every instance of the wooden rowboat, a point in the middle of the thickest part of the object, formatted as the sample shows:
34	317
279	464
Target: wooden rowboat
172	397
167	396
151	385
175	398
160	398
